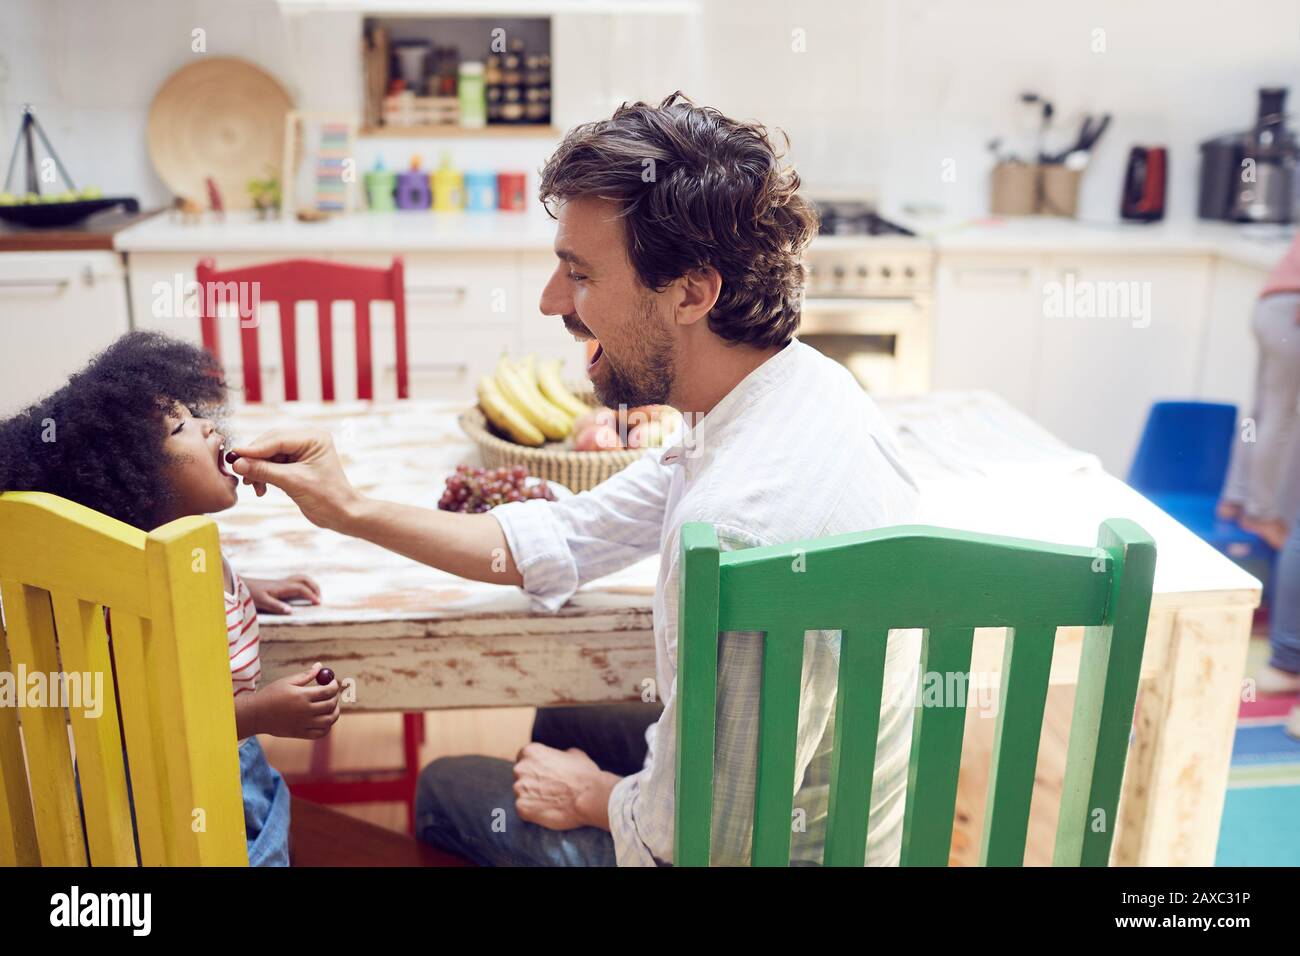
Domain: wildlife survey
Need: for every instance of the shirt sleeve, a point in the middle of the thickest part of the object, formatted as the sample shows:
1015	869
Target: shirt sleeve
642	807
560	545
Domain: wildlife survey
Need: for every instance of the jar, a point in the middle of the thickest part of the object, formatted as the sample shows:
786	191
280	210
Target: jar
472	94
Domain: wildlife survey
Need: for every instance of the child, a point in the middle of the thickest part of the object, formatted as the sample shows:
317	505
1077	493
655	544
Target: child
130	436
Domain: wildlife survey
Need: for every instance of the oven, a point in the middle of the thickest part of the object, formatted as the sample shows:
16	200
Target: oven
867	304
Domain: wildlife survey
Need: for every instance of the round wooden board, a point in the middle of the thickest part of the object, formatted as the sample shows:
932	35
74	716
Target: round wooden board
221	117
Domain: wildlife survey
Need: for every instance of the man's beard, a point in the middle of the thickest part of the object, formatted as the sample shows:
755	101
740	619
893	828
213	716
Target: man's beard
647	377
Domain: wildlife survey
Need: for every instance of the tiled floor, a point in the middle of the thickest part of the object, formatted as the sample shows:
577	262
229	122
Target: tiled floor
1261	812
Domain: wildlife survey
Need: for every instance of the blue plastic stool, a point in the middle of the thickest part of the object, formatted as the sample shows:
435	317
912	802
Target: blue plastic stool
1181	464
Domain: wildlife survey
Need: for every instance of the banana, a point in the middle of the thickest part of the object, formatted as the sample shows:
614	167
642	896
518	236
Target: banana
501	413
527	367
553	387
553	423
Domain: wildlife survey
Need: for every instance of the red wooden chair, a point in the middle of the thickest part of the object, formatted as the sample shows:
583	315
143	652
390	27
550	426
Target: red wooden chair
304	280
287	283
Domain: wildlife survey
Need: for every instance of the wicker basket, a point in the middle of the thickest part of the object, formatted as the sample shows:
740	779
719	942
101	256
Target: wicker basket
554	461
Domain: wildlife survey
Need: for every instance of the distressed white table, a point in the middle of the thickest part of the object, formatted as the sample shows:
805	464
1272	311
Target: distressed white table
417	639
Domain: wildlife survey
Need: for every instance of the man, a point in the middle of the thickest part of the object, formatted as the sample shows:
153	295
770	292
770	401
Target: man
679	246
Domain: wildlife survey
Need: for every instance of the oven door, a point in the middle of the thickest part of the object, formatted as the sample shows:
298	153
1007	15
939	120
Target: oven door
884	341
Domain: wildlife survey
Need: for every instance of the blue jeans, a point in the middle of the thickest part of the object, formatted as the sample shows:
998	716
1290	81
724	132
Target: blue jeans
1284	633
266	807
466	805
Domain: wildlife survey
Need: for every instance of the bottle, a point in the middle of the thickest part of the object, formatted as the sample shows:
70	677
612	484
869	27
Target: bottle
472	95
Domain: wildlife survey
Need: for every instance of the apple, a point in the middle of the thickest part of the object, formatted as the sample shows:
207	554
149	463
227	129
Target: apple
597	438
597	416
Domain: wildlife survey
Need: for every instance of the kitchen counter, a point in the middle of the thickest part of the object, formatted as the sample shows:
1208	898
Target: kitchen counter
418	231
1260	246
414	231
95	232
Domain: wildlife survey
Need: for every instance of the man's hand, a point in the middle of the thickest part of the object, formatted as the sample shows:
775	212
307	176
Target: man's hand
271	594
561	789
304	464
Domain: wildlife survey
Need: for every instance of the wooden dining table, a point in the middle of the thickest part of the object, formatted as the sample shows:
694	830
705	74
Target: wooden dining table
408	637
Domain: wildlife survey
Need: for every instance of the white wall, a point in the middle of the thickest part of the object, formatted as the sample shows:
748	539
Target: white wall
886	91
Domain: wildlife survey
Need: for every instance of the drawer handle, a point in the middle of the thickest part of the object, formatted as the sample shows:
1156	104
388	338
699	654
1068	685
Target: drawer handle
449	293
57	285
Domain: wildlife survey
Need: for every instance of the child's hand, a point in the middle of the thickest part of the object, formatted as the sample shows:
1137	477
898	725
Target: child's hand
270	594
297	706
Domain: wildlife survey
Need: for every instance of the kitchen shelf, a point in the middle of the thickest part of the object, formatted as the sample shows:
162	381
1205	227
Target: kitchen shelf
500	8
501	131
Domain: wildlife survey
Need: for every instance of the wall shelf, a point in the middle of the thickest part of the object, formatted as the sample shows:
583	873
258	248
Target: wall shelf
500	131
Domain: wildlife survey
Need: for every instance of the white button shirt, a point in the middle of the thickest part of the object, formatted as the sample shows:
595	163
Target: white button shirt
796	450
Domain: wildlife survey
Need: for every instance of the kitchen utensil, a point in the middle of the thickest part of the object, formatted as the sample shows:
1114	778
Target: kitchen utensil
1144	184
510	192
1014	190
220	117
480	191
411	58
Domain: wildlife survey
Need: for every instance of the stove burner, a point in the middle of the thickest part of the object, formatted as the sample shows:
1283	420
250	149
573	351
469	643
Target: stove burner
855	219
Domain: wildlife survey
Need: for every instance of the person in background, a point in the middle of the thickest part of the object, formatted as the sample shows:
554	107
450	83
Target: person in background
1281	676
1257	480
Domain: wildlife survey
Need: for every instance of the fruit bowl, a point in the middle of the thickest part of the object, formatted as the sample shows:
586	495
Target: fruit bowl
555	461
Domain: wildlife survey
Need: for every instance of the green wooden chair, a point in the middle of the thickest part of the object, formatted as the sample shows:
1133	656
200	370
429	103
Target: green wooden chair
948	583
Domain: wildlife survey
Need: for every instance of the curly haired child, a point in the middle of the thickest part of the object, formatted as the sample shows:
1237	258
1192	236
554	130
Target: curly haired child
137	438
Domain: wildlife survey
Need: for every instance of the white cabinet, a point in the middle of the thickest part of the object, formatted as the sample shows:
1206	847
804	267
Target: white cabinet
987	323
1117	335
1082	343
57	309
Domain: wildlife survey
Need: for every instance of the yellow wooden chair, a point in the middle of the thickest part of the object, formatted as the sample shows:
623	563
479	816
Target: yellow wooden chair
166	702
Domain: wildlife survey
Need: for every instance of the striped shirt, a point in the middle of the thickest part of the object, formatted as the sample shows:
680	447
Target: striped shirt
242	638
796	450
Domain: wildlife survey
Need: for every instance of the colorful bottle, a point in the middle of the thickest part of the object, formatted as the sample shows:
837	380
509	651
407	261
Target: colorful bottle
448	187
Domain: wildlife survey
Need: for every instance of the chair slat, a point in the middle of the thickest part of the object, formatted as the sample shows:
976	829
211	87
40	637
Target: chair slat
1109	667
190	666
18	846
289	347
853	760
697	693
325	333
1026	667
778	725
137	697
83	644
365	361
398	293
45	732
936	750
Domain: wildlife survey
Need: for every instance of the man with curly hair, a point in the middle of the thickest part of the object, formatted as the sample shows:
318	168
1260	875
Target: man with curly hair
678	246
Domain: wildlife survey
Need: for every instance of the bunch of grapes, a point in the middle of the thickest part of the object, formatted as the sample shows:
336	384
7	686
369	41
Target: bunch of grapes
475	490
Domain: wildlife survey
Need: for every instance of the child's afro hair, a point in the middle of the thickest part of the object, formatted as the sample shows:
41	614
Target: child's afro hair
98	440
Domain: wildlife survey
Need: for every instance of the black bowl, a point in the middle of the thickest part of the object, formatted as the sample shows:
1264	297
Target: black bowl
48	214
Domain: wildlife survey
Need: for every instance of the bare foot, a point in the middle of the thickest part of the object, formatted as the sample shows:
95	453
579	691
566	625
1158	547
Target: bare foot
1272	682
1228	510
1274	531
